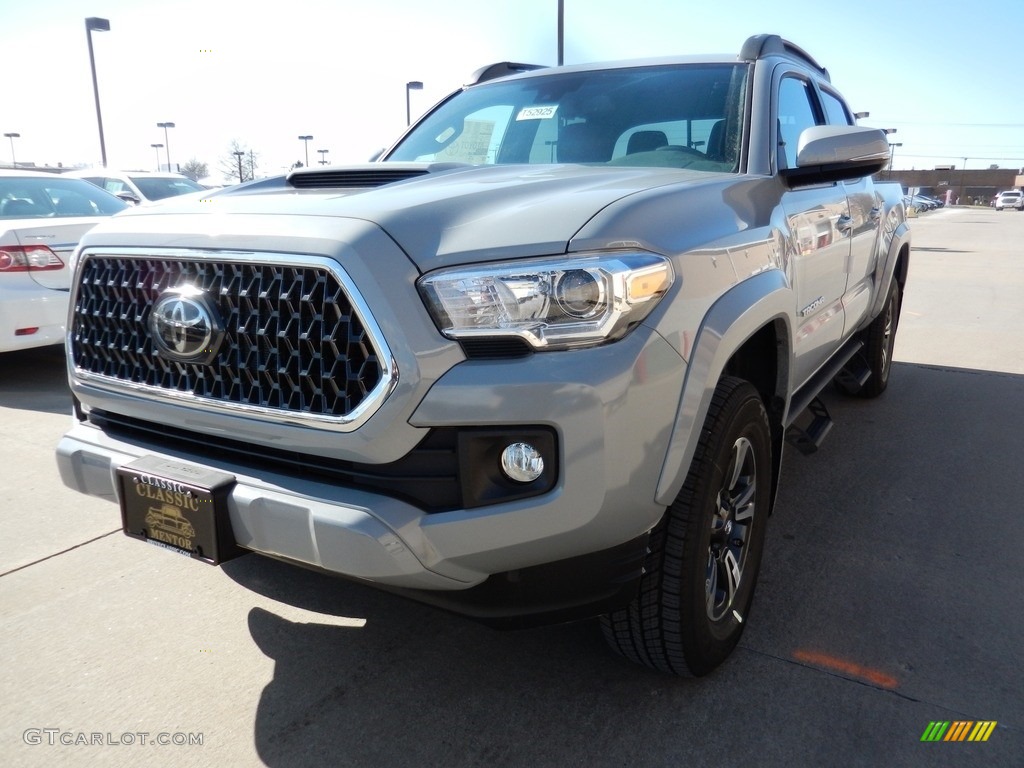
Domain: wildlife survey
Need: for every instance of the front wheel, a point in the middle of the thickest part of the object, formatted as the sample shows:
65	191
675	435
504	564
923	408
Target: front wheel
705	553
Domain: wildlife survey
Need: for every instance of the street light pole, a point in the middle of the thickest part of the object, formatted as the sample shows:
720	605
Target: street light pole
412	85
305	140
323	152
887	132
167	141
239	154
157	148
892	151
561	32
963	173
12	137
99	25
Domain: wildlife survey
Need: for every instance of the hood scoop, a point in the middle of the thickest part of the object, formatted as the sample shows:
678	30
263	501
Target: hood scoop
365	176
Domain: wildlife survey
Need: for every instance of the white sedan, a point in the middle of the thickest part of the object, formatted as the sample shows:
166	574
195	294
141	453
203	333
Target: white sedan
42	218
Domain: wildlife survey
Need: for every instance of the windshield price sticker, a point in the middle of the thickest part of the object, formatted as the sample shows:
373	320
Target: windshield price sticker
537	113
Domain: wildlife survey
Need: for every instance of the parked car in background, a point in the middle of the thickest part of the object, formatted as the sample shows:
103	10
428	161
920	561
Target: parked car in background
921	203
912	203
1012	198
42	218
139	186
209	182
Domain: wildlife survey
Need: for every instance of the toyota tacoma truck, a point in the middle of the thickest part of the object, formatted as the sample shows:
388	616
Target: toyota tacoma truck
536	362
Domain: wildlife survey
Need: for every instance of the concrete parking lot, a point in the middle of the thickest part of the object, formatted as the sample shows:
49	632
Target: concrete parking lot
890	598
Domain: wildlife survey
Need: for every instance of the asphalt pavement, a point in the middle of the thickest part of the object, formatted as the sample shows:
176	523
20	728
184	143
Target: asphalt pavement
890	599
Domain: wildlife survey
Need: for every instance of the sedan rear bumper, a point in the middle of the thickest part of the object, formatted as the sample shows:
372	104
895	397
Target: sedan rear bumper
30	315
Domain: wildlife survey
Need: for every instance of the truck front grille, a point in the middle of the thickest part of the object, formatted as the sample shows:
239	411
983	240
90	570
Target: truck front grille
291	339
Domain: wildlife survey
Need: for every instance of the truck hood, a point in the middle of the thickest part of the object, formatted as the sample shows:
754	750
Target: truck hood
440	215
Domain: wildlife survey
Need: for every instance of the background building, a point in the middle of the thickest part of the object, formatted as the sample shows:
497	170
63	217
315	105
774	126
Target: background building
971	185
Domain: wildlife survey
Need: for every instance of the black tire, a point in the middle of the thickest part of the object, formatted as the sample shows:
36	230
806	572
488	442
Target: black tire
879	340
685	620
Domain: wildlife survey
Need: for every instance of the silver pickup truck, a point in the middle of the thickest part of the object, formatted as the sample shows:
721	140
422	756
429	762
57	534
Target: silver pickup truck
538	362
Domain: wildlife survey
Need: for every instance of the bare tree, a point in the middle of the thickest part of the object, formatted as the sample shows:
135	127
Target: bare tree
239	162
195	170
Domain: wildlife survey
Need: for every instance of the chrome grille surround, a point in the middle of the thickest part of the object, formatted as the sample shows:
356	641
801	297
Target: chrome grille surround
300	344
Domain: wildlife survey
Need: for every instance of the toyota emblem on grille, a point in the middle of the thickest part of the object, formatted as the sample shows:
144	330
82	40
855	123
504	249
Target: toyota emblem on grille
185	326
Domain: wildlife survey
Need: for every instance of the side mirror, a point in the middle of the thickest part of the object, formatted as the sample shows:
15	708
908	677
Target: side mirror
827	153
129	197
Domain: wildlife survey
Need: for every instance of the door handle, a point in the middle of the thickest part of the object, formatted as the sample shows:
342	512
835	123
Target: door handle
845	224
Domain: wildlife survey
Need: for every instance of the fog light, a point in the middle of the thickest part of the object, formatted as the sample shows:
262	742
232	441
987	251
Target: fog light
522	462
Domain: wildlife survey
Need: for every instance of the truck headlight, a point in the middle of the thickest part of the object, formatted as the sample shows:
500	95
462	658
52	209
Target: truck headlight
551	303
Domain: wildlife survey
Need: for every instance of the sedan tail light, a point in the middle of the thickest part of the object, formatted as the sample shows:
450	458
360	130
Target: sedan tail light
28	258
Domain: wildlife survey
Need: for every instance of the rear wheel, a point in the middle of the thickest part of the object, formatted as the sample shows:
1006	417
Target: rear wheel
879	341
706	551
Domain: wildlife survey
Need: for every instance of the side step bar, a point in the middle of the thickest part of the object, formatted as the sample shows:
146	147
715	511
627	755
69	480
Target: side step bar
808	436
810	411
854	375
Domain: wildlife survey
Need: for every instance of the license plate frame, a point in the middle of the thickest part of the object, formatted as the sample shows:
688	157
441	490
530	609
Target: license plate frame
178	506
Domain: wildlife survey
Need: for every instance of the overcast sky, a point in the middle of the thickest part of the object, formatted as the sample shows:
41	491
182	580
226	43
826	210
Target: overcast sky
946	75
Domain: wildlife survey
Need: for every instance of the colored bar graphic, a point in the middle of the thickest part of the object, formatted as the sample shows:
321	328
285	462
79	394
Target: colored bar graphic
958	730
982	731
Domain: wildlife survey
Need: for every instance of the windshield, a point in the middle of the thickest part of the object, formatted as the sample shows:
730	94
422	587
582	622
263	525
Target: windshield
680	116
37	198
157	188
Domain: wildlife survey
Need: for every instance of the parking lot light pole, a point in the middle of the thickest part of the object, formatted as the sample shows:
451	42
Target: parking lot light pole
892	153
323	152
412	85
963	173
561	32
305	140
239	155
888	132
12	137
94	23
167	142
157	148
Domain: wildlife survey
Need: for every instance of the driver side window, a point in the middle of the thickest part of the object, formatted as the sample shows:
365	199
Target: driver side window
796	112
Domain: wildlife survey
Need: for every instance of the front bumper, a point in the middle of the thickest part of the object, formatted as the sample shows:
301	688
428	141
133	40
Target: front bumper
612	408
308	522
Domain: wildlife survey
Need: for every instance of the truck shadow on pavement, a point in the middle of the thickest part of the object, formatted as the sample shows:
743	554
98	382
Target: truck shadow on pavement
873	557
415	685
35	380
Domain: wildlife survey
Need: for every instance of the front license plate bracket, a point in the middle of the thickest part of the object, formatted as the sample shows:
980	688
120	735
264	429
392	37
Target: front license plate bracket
178	506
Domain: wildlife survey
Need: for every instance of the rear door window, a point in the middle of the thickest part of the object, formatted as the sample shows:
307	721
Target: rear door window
835	110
